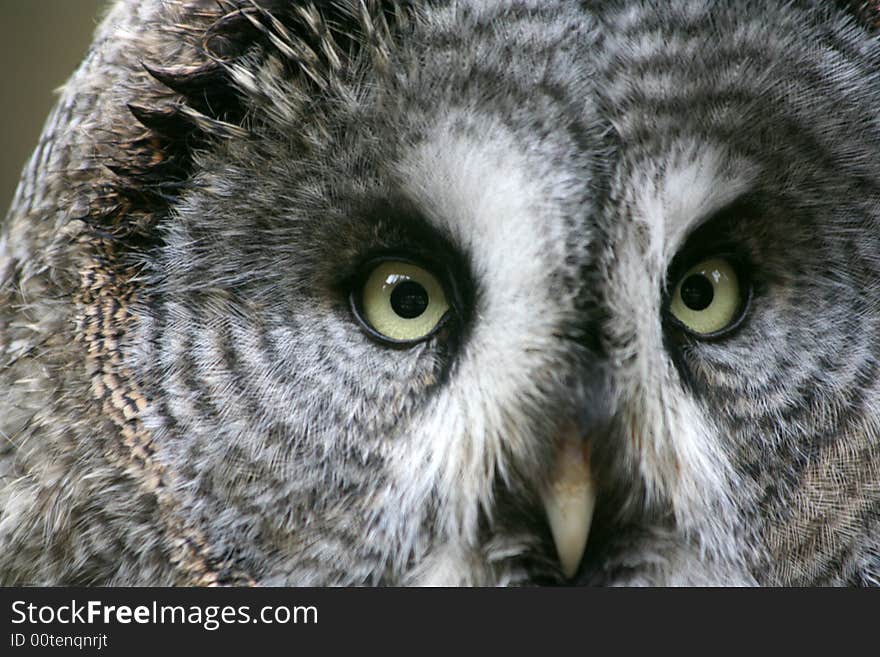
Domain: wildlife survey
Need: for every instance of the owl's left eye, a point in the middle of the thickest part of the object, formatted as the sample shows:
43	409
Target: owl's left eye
710	298
400	302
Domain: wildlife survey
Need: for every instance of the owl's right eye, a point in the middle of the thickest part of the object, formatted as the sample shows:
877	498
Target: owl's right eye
400	302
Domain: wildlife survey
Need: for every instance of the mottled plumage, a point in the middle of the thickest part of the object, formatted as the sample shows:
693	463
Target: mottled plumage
190	392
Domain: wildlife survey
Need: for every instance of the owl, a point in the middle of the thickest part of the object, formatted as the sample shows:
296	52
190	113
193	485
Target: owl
452	292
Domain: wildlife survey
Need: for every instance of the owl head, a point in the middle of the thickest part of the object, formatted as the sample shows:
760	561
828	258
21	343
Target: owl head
488	293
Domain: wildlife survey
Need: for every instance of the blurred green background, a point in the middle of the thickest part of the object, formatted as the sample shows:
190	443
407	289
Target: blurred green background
41	43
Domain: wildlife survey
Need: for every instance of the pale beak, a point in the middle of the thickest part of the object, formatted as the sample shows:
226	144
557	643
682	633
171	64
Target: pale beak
569	500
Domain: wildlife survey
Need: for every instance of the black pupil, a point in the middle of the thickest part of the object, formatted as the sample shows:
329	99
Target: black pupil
697	292
409	299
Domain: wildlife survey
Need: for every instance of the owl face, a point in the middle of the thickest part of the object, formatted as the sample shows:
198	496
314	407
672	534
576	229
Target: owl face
539	293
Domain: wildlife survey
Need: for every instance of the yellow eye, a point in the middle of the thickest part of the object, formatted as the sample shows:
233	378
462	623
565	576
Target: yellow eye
708	298
402	302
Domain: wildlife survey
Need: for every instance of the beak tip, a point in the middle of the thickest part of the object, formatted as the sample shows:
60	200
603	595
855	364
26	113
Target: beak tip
570	527
570	566
569	502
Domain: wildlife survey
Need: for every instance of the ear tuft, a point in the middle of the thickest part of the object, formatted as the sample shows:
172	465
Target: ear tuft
275	59
316	41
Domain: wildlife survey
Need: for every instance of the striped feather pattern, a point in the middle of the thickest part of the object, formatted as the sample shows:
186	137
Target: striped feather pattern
188	398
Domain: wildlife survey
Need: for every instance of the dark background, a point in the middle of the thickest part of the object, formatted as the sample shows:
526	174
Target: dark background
41	43
485	622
